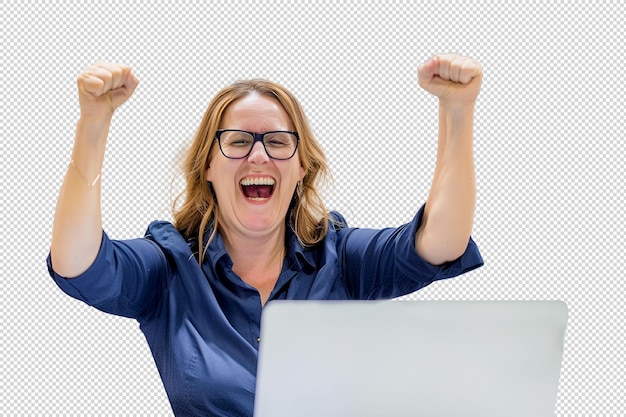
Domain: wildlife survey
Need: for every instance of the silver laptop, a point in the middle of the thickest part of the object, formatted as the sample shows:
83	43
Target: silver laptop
410	358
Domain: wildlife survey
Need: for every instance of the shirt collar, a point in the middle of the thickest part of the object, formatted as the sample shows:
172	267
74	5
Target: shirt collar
297	255
216	250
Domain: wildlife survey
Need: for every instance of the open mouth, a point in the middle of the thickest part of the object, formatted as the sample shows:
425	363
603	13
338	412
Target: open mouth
257	188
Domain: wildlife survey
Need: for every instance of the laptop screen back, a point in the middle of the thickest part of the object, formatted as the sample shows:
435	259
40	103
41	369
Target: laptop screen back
409	358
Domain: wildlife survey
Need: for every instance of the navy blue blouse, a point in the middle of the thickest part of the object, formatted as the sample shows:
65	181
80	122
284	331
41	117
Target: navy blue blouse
202	322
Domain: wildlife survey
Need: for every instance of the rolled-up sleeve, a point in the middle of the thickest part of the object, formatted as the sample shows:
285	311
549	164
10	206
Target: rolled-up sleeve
127	278
384	263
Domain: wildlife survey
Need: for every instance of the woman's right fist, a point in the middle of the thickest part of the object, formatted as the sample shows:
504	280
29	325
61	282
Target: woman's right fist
103	87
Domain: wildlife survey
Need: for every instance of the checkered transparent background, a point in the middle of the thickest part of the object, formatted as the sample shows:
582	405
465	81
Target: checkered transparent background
549	143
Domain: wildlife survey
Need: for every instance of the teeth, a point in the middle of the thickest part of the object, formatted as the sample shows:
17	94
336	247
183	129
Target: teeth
257	181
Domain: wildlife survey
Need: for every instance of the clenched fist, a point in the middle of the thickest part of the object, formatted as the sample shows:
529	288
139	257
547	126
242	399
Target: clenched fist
103	87
454	79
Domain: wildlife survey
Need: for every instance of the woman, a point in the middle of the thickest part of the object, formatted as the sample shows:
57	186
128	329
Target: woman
252	229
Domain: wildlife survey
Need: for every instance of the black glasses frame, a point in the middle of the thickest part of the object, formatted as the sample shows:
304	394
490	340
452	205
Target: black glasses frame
256	137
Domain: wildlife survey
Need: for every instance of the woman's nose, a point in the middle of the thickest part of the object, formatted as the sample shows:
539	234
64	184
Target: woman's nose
258	154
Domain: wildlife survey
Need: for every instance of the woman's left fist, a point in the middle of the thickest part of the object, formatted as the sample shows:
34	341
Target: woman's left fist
454	79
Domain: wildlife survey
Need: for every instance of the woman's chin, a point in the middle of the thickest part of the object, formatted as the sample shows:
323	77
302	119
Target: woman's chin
255	218
260	223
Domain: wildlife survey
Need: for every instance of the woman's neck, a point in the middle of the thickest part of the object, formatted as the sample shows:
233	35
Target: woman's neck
257	260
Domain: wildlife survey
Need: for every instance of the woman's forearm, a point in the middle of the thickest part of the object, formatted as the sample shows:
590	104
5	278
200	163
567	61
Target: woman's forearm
77	228
449	211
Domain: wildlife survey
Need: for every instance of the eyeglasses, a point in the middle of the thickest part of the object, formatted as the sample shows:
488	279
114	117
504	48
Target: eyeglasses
237	144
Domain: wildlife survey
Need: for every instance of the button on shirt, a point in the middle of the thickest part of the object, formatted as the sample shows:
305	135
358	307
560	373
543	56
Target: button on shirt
202	322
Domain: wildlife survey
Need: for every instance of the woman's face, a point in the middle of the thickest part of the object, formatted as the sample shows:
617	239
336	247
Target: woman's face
245	210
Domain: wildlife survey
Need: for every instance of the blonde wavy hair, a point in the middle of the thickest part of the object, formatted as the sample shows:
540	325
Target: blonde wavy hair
195	209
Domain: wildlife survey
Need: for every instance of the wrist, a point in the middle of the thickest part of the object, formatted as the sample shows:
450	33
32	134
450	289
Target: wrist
457	107
92	129
455	115
94	126
96	120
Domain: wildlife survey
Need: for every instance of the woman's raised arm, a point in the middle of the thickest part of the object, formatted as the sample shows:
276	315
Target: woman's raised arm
77	229
449	211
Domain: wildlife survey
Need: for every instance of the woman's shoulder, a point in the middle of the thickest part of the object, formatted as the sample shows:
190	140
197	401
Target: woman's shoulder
336	221
164	234
161	228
